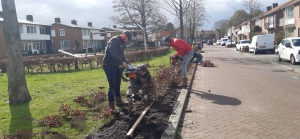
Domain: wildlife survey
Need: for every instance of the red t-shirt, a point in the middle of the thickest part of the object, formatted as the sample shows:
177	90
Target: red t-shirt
180	46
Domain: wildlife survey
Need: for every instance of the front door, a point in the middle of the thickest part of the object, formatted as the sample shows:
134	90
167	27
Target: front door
298	32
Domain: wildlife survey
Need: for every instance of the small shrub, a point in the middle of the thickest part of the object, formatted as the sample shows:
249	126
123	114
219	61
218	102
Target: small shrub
52	121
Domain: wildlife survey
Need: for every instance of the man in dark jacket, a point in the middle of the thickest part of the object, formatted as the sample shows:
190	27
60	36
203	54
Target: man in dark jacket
114	57
198	57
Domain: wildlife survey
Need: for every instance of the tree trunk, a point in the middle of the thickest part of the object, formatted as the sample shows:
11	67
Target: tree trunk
146	40
17	87
181	19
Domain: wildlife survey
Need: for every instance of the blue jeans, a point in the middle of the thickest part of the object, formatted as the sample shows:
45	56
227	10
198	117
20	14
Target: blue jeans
113	74
187	57
198	60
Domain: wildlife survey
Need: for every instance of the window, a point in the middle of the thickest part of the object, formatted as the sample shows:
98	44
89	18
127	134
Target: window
271	21
62	32
65	45
31	29
86	32
288	42
34	45
108	34
42	30
290	12
53	33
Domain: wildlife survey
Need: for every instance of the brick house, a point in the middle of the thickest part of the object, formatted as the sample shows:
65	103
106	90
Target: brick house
35	37
277	17
137	34
74	38
160	36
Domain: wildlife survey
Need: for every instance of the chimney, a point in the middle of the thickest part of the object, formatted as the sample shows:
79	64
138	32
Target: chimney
124	27
1	14
29	18
269	8
57	20
275	5
114	26
74	22
90	24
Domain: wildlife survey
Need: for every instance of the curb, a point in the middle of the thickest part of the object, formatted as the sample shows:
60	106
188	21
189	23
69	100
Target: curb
178	109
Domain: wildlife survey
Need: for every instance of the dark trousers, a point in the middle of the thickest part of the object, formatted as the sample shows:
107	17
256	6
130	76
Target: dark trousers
113	74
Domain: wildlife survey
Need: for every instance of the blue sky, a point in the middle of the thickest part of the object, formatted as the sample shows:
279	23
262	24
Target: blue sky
98	11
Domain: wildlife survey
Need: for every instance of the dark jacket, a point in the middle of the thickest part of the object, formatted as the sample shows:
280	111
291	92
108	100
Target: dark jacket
196	55
114	51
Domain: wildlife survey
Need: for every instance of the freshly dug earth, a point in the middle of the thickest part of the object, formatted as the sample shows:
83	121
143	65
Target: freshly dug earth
151	126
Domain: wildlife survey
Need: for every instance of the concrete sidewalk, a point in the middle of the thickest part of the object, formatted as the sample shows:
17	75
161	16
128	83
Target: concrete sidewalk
242	98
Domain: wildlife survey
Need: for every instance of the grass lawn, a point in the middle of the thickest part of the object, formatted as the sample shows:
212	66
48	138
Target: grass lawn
50	90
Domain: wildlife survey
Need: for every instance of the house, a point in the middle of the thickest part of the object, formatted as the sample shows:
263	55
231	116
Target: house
75	38
35	37
160	36
276	18
291	18
137	33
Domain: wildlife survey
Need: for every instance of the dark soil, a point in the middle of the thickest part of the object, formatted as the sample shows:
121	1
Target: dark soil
151	126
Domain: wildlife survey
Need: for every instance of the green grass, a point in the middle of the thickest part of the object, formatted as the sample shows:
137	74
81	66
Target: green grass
50	90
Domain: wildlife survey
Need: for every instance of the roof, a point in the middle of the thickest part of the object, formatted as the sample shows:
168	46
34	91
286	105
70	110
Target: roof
76	26
164	33
28	22
291	3
279	7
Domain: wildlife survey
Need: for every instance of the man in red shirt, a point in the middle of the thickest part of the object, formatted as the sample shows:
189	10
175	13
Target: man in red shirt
184	50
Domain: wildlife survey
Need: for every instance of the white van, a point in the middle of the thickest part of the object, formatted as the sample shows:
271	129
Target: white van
262	43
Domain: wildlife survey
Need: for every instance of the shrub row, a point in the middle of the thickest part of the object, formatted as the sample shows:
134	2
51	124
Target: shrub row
60	62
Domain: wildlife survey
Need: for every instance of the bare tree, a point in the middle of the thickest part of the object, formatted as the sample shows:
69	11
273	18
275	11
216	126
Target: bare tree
221	26
179	8
194	17
144	14
17	87
251	6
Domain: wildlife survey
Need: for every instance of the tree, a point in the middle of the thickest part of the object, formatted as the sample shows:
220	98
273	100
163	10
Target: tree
257	29
194	17
169	26
256	12
251	6
17	87
221	26
144	14
239	17
279	34
179	8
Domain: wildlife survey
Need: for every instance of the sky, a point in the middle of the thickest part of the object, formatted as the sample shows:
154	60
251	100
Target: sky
99	11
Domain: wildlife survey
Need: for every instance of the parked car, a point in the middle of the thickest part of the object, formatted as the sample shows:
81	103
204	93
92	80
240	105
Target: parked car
289	49
242	43
218	42
262	43
230	43
209	42
224	40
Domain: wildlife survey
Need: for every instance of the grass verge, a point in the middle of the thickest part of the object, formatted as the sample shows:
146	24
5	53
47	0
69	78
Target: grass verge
50	90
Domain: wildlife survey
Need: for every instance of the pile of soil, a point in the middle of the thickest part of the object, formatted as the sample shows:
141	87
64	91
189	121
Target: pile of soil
151	126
